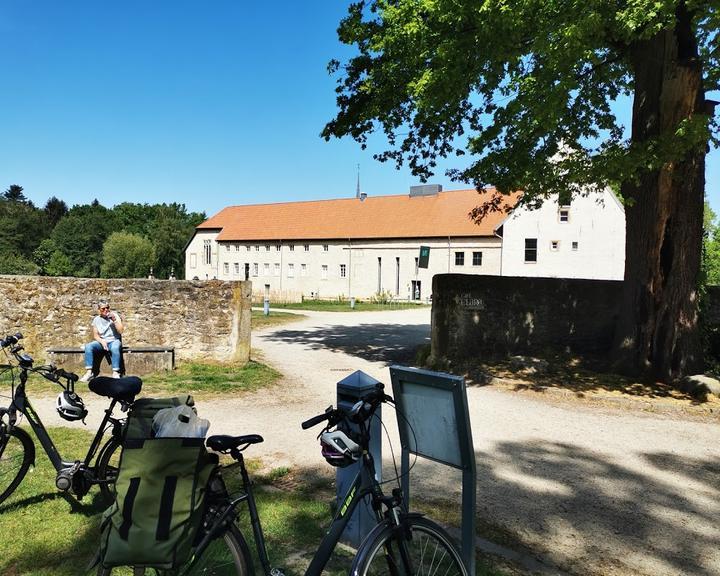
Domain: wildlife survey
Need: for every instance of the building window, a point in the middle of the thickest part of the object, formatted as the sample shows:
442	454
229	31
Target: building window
267	247
343	271
227	247
303	269
574	245
477	258
237	247
323	272
417	265
554	245
379	283
530	249
255	269
292	247
291	270
226	268
277	247
249	247
564	215
307	247
193	260
207	252
326	248
459	258
277	269
266	269
257	248
237	268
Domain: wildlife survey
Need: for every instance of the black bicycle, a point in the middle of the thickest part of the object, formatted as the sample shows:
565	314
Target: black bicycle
17	450
401	544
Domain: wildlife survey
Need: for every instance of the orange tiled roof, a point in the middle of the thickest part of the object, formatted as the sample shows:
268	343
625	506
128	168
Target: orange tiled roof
401	216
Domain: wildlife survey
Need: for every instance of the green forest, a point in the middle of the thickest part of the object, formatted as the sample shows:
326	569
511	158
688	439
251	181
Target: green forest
92	241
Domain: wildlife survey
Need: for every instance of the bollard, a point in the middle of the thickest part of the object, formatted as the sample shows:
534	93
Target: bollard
266	306
349	391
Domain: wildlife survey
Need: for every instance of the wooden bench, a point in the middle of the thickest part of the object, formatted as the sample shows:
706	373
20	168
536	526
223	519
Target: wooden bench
139	360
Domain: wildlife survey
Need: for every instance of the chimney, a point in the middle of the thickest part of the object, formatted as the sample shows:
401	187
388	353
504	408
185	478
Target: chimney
425	190
362	196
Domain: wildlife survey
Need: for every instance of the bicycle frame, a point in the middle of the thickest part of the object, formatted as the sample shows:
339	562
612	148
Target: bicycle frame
364	484
21	403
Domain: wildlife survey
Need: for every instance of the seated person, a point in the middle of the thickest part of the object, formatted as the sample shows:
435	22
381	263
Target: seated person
107	331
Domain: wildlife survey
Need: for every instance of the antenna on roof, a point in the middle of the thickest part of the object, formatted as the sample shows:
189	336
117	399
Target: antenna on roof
357	189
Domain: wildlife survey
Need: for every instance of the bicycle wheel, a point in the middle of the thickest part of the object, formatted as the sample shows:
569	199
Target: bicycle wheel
429	551
17	452
106	468
227	555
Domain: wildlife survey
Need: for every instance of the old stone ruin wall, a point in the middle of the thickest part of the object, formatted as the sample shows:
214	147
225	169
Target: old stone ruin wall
207	320
476	316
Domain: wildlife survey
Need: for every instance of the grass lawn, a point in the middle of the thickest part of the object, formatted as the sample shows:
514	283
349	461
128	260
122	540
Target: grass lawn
259	320
337	306
205	378
45	533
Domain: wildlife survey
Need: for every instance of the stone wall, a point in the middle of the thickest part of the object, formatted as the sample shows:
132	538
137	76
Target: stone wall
207	320
475	315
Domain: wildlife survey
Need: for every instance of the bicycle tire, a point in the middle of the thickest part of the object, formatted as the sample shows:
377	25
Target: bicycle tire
228	555
430	549
17	453
106	468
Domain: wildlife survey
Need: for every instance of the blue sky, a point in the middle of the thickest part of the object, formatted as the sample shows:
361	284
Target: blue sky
207	104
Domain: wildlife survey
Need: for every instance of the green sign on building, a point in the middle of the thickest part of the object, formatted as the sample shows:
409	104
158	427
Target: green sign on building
424	257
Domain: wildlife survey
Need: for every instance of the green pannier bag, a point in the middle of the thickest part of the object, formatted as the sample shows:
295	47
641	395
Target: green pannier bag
160	495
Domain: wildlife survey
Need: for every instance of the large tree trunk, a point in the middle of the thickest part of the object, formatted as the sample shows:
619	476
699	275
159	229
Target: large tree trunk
657	333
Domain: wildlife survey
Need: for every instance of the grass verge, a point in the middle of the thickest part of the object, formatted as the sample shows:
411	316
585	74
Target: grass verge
259	321
344	306
208	378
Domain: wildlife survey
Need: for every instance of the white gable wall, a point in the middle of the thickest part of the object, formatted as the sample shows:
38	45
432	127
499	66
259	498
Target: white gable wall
596	223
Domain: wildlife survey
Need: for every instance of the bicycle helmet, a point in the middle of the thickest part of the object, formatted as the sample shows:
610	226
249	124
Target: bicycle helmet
70	406
339	449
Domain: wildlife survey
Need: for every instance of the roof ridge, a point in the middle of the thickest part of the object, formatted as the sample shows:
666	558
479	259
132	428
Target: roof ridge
351	199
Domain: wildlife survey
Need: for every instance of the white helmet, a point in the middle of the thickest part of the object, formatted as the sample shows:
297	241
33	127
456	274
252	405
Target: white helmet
70	406
339	449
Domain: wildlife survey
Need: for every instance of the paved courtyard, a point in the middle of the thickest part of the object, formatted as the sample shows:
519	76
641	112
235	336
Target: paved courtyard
589	490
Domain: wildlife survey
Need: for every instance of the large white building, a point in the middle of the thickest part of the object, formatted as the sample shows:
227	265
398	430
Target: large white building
364	246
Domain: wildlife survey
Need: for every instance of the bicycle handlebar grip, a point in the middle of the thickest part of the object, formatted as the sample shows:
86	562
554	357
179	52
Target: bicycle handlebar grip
69	375
10	339
315	420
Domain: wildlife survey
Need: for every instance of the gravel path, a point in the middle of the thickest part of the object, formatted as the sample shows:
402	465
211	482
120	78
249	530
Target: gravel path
590	490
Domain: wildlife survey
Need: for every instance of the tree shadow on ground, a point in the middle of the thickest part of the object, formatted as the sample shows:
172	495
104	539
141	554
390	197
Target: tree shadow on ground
387	343
586	514
579	375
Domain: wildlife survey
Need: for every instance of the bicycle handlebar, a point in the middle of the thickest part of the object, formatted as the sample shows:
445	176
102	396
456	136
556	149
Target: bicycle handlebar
362	410
10	339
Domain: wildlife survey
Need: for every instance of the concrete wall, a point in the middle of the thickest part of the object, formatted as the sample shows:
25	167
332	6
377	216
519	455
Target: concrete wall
278	267
590	244
475	315
202	320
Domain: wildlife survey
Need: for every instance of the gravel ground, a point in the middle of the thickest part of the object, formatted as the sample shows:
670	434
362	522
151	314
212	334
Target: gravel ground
588	489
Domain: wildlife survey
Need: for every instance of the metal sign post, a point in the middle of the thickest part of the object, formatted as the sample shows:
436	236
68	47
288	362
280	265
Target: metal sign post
436	425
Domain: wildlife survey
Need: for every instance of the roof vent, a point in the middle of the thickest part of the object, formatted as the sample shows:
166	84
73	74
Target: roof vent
362	196
425	190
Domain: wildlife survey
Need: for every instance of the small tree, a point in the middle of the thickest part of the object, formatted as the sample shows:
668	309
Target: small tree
127	255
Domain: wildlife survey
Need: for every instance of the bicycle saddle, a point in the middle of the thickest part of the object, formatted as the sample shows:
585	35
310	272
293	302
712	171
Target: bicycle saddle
122	389
222	443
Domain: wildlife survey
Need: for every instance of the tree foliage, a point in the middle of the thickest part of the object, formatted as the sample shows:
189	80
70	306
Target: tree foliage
527	90
127	255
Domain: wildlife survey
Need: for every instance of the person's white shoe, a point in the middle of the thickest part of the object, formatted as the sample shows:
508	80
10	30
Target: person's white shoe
87	376
116	374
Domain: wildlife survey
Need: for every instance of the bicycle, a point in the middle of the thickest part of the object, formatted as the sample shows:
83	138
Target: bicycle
401	544
17	449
